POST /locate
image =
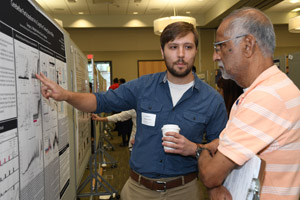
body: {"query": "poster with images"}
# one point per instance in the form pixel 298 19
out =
pixel 29 154
pixel 9 151
pixel 83 120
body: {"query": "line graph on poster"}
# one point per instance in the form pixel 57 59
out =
pixel 35 155
pixel 9 169
pixel 10 193
pixel 31 160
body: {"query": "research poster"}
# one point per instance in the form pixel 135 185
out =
pixel 30 155
pixel 9 152
pixel 83 122
pixel 63 128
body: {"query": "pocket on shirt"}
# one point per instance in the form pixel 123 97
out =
pixel 194 117
pixel 150 111
pixel 195 125
pixel 150 106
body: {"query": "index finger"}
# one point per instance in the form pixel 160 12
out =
pixel 42 78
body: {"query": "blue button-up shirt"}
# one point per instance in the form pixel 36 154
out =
pixel 200 110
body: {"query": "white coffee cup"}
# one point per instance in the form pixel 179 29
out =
pixel 169 128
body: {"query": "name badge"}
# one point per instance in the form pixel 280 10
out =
pixel 148 119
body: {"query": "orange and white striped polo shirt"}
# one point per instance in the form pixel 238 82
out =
pixel 265 120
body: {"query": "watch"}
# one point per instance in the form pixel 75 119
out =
pixel 199 151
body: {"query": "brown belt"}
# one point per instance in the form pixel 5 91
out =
pixel 161 186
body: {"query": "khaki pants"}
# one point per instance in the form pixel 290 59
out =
pixel 135 191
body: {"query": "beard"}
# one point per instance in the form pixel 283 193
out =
pixel 176 73
pixel 225 75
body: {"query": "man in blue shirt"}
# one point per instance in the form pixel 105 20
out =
pixel 176 96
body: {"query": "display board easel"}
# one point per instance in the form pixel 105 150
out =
pixel 94 179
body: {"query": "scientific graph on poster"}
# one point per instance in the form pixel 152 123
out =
pixel 49 110
pixel 29 137
pixel 9 164
pixel 29 112
pixel 50 128
pixel 62 80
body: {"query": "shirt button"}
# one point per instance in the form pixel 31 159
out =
pixel 160 161
pixel 150 108
pixel 194 118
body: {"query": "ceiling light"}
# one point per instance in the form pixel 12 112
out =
pixel 294 25
pixel 160 23
pixel 296 10
pixel 294 1
pixel 80 13
pixel 188 12
pixel 135 13
pixel 103 1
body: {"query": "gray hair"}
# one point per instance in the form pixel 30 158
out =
pixel 252 21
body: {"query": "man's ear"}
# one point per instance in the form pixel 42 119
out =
pixel 249 45
pixel 162 53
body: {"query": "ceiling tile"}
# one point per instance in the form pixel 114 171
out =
pixel 146 8
pixel 43 4
pixel 284 6
pixel 78 6
pixel 139 6
pixel 156 7
pixel 118 8
pixel 58 7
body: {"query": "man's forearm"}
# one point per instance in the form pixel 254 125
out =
pixel 85 102
pixel 203 166
pixel 213 170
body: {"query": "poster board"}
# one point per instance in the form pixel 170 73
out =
pixel 37 142
pixel 293 61
pixel 82 120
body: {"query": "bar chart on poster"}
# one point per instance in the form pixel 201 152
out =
pixel 34 143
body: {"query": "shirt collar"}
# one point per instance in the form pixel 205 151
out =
pixel 263 76
pixel 163 79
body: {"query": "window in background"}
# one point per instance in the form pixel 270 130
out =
pixel 104 68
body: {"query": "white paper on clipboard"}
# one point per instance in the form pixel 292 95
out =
pixel 243 181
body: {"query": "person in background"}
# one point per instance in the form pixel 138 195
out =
pixel 122 116
pixel 115 84
pixel 265 119
pixel 124 127
pixel 230 91
pixel 176 96
pixel 194 69
pixel 122 81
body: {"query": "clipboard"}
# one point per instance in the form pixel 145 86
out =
pixel 244 181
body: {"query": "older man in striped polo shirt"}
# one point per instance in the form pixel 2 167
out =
pixel 265 120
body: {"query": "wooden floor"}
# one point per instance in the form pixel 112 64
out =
pixel 117 174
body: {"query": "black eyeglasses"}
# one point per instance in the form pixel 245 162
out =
pixel 217 45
